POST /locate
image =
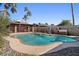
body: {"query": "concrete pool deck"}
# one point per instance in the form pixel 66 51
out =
pixel 66 45
pixel 16 45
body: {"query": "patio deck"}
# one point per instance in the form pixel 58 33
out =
pixel 16 45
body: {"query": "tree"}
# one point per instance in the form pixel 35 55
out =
pixel 65 23
pixel 46 23
pixel 39 23
pixel 72 9
pixel 4 21
pixel 11 6
pixel 27 14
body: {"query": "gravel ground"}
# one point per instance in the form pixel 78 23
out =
pixel 7 51
pixel 71 51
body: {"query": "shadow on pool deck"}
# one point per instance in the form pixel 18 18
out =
pixel 65 49
pixel 71 51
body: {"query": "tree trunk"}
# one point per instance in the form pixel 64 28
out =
pixel 72 9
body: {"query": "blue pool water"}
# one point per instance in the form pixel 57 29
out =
pixel 38 39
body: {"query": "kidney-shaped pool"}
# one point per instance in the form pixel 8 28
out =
pixel 40 39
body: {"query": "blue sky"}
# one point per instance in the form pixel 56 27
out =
pixel 51 13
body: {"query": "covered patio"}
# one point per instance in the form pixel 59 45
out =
pixel 19 27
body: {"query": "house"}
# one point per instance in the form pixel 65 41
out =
pixel 19 27
pixel 23 27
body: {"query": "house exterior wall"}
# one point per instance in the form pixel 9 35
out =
pixel 20 27
pixel 55 30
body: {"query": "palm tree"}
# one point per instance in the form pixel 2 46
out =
pixel 27 14
pixel 11 6
pixel 72 9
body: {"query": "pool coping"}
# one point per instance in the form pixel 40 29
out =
pixel 16 45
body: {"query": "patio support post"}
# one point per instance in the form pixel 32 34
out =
pixel 15 29
pixel 32 29
pixel 28 29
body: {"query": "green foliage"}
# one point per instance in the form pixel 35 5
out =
pixel 3 29
pixel 11 6
pixel 27 14
pixel 26 9
pixel 46 23
pixel 65 23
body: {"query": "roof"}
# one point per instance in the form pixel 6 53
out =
pixel 17 23
pixel 27 24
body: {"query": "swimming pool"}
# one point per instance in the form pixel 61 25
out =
pixel 40 39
